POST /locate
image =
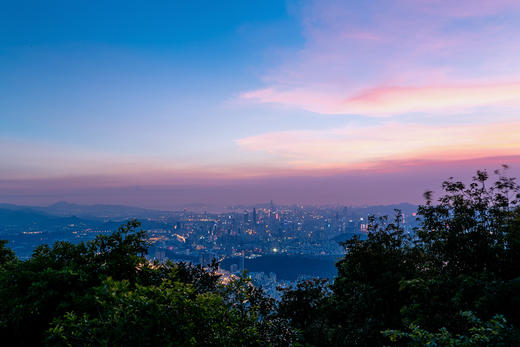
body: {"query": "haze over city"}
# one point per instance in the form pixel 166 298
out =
pixel 314 102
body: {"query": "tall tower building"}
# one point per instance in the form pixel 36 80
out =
pixel 242 261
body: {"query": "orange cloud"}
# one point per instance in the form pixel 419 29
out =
pixel 393 100
pixel 365 147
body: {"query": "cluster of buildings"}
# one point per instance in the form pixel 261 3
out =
pixel 286 230
pixel 237 236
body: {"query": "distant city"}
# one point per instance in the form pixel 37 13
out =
pixel 276 244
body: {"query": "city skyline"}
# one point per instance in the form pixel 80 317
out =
pixel 314 102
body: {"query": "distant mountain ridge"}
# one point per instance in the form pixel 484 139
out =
pixel 97 211
pixel 26 217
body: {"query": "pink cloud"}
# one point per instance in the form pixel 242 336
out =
pixel 389 100
pixel 384 101
pixel 366 147
pixel 393 57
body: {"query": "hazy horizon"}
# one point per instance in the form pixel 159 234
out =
pixel 357 190
pixel 199 207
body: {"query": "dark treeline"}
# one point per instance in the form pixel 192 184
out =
pixel 454 282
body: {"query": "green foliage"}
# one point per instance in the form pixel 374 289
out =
pixel 493 332
pixel 59 279
pixel 307 307
pixel 6 254
pixel 367 292
pixel 471 263
pixel 471 229
pixel 169 314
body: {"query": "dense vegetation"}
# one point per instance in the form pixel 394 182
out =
pixel 454 282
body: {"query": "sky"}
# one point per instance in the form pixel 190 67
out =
pixel 169 103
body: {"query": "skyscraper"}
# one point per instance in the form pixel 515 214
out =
pixel 242 261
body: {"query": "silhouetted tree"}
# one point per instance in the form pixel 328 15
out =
pixel 6 254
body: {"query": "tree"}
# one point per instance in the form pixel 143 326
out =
pixel 306 307
pixel 366 292
pixel 59 279
pixel 470 241
pixel 6 254
pixel 493 332
pixel 169 314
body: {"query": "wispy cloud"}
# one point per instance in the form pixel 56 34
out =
pixel 385 101
pixel 368 147
pixel 382 58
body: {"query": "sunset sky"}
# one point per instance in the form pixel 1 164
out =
pixel 163 104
